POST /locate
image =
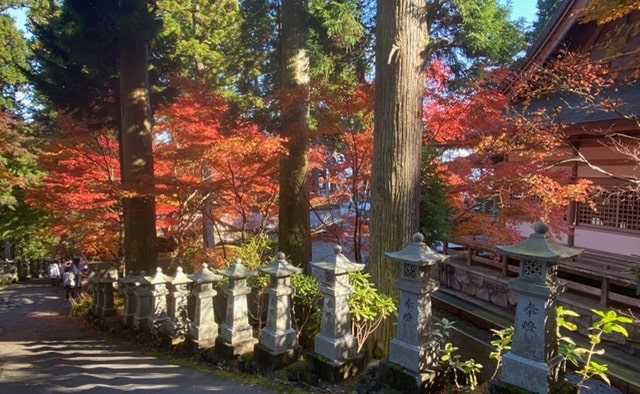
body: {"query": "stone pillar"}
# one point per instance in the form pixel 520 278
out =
pixel 533 363
pixel 335 347
pixel 107 307
pixel 158 301
pixel 203 328
pixel 128 290
pixel 236 334
pixel 278 344
pixel 414 348
pixel 142 290
pixel 94 291
pixel 177 309
pixel 99 294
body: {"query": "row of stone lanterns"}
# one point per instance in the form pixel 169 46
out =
pixel 532 364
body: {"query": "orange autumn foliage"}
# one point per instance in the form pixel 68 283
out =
pixel 81 189
pixel 502 173
pixel 203 154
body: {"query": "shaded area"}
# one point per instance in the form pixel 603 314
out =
pixel 43 350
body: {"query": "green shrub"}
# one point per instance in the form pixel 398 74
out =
pixel 368 307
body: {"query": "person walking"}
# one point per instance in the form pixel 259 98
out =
pixel 69 281
pixel 54 273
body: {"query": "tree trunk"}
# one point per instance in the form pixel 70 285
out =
pixel 395 196
pixel 140 250
pixel 294 234
pixel 208 235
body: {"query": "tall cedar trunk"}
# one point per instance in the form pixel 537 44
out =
pixel 294 234
pixel 140 249
pixel 401 35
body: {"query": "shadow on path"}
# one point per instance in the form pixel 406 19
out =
pixel 43 350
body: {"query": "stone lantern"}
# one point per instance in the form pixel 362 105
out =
pixel 158 300
pixel 143 301
pixel 106 307
pixel 177 308
pixel 533 362
pixel 278 343
pixel 203 328
pixel 414 348
pixel 335 341
pixel 128 289
pixel 236 334
pixel 94 289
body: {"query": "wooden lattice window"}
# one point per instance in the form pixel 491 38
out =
pixel 620 210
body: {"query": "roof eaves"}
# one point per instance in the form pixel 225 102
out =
pixel 551 36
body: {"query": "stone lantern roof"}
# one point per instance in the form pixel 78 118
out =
pixel 204 275
pixel 129 279
pixel 280 267
pixel 181 278
pixel 143 279
pixel 540 246
pixel 417 253
pixel 159 277
pixel 338 263
pixel 237 270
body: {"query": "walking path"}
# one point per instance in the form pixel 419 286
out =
pixel 43 350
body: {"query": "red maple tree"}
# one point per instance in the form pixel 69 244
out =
pixel 501 172
pixel 204 153
pixel 345 122
pixel 81 189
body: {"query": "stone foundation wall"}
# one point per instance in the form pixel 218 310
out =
pixel 489 286
pixel 477 282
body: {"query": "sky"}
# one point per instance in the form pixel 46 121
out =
pixel 524 8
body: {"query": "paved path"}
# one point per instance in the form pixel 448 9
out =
pixel 43 350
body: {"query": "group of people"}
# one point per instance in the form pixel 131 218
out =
pixel 70 273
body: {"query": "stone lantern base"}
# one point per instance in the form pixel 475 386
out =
pixel 498 387
pixel 405 381
pixel 334 372
pixel 532 376
pixel 202 344
pixel 268 360
pixel 227 351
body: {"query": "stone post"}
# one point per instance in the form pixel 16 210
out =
pixel 278 346
pixel 98 294
pixel 94 291
pixel 203 328
pixel 107 307
pixel 128 290
pixel 335 342
pixel 236 334
pixel 158 301
pixel 143 302
pixel 177 309
pixel 414 348
pixel 533 363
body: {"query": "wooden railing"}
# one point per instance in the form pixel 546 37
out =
pixel 604 276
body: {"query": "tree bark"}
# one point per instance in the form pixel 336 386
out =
pixel 401 34
pixel 140 249
pixel 294 234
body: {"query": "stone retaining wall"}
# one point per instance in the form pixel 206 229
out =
pixel 486 285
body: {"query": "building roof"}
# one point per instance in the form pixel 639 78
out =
pixel 575 110
pixel 563 19
pixel 564 28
